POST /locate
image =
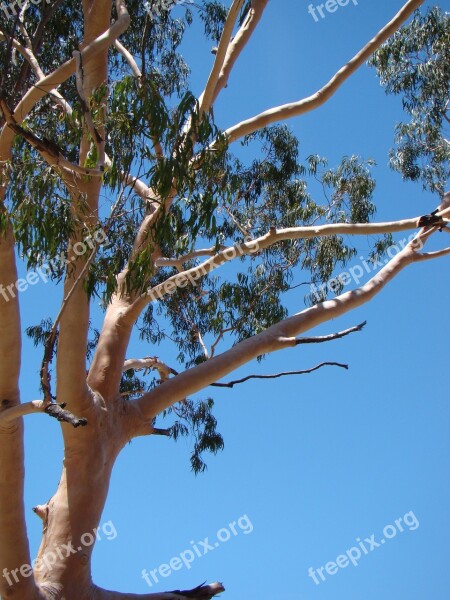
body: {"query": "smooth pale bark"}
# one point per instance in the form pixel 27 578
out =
pixel 277 337
pixel 90 452
pixel 295 109
pixel 14 549
pixel 73 332
pixel 232 51
pixel 256 245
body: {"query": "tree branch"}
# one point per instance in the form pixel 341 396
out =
pixel 178 262
pixel 148 363
pixel 129 58
pixel 332 336
pixel 59 75
pixel 202 592
pixel 49 151
pixel 276 337
pixel 231 384
pixel 233 51
pixel 294 109
pixel 9 415
pixel 431 255
pixel 261 243
pixel 206 98
pixel 28 54
pixel 303 340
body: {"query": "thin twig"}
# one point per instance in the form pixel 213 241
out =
pixel 332 336
pixel 230 384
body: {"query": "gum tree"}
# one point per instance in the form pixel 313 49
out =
pixel 101 137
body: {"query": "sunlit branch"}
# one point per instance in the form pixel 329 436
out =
pixel 258 244
pixel 129 58
pixel 202 592
pixel 294 109
pixel 178 262
pixel 206 98
pixel 279 336
pixel 238 44
pixel 58 411
pixel 148 363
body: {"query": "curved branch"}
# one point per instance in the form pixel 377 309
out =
pixel 319 339
pixel 129 58
pixel 45 86
pixel 30 57
pixel 276 337
pixel 431 255
pixel 206 98
pixel 261 243
pixel 231 384
pixel 233 51
pixel 148 363
pixel 294 109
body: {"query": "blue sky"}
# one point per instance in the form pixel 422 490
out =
pixel 317 461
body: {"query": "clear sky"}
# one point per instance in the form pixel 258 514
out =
pixel 313 465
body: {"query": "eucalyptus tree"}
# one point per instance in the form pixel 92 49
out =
pixel 116 179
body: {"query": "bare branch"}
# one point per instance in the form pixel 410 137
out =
pixel 206 98
pixel 202 592
pixel 294 109
pixel 431 255
pixel 261 243
pixel 233 51
pixel 231 384
pixel 129 58
pixel 333 336
pixel 148 363
pixel 9 415
pixel 277 337
pixel 178 262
